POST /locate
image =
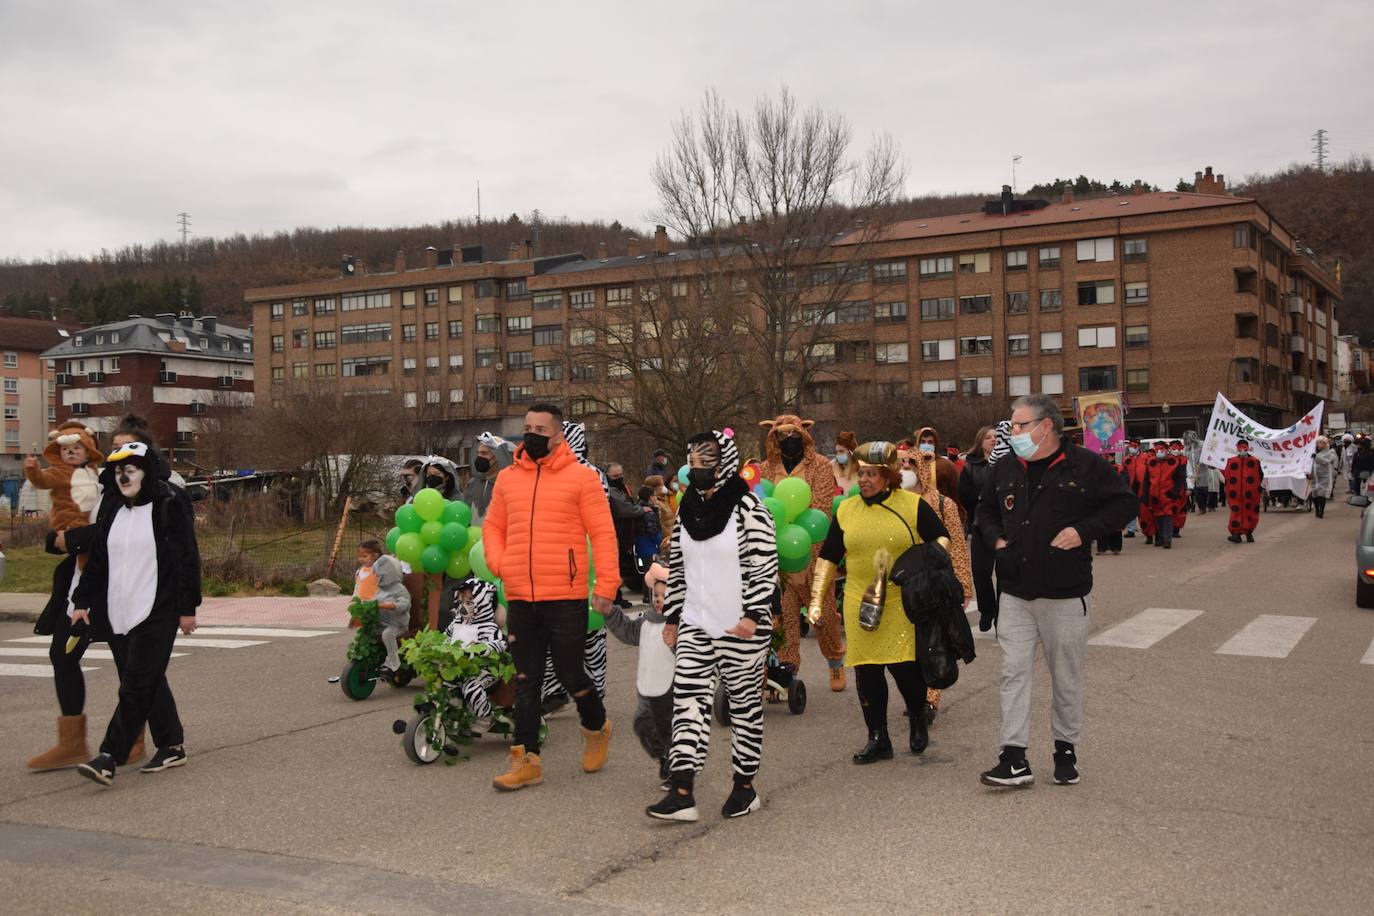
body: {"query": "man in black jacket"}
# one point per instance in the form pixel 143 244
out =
pixel 1040 514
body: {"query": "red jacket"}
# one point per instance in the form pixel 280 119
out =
pixel 538 524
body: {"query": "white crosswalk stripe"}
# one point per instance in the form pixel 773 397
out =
pixel 261 631
pixel 44 670
pixel 92 653
pixel 198 643
pixel 205 638
pixel 1268 636
pixel 1368 656
pixel 1146 628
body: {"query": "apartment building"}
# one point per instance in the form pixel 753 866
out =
pixel 177 370
pixel 29 395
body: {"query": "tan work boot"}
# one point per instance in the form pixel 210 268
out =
pixel 524 770
pixel 70 748
pixel 595 746
pixel 837 679
pixel 138 751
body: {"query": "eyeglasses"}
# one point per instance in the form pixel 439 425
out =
pixel 1025 424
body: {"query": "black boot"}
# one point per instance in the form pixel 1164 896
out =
pixel 920 732
pixel 1250 538
pixel 1234 539
pixel 879 747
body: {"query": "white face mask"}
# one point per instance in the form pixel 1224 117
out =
pixel 908 479
pixel 130 479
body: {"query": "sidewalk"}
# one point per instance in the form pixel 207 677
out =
pixel 279 612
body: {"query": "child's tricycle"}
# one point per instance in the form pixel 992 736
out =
pixel 366 655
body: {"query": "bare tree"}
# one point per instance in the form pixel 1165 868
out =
pixel 224 434
pixel 895 417
pixel 783 215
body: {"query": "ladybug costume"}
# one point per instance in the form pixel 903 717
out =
pixel 1244 476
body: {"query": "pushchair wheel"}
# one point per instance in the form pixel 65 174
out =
pixel 415 742
pixel 796 697
pixel 357 681
pixel 721 706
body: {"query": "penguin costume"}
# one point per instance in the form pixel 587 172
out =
pixel 141 583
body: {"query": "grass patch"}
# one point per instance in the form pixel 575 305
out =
pixel 28 569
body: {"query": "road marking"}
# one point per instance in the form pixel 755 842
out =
pixel 26 652
pixel 192 642
pixel 30 670
pixel 1368 656
pixel 1146 628
pixel 1268 636
pixel 261 631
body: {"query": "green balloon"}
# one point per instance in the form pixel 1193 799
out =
pixel 429 504
pixel 430 532
pixel 816 524
pixel 458 566
pixel 457 512
pixel 768 487
pixel 409 547
pixel 794 565
pixel 794 543
pixel 777 510
pixel 835 504
pixel 474 535
pixel 501 595
pixel 392 537
pixel 453 537
pixel 434 559
pixel 795 494
pixel 853 491
pixel 595 621
pixel 406 518
pixel 478 558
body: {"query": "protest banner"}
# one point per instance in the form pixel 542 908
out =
pixel 1104 429
pixel 1282 452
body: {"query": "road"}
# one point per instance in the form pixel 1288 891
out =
pixel 1225 769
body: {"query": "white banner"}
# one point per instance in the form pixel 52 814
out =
pixel 1282 452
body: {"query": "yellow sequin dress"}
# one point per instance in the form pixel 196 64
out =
pixel 866 529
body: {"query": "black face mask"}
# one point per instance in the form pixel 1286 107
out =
pixel 661 462
pixel 481 464
pixel 702 479
pixel 792 447
pixel 536 446
pixel 435 483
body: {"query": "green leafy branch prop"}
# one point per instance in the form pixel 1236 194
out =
pixel 441 664
pixel 366 647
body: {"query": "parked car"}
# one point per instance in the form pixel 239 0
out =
pixel 1364 554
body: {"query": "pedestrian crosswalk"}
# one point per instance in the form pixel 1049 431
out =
pixel 16 653
pixel 1268 636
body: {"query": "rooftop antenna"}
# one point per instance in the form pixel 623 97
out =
pixel 1014 160
pixel 1319 149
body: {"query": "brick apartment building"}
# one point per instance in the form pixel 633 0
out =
pixel 176 370
pixel 29 396
pixel 1167 297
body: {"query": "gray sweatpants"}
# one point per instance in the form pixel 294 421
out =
pixel 1061 625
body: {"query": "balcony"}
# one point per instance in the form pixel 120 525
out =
pixel 81 410
pixel 1294 303
pixel 166 378
pixel 64 378
pixel 1297 344
pixel 95 378
pixel 1299 383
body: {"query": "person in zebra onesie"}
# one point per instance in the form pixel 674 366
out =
pixel 722 577
pixel 474 623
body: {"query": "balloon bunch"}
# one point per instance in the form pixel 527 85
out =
pixel 436 535
pixel 798 526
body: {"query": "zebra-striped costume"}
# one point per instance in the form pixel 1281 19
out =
pixel 480 613
pixel 739 662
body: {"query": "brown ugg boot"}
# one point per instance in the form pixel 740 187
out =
pixel 70 748
pixel 138 751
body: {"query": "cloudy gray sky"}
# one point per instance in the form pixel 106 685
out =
pixel 263 116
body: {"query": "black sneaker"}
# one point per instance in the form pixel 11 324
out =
pixel 742 801
pixel 1250 539
pixel 674 807
pixel 165 759
pixel 1065 764
pixel 100 768
pixel 1012 770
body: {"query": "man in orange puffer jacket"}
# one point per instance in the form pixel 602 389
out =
pixel 544 509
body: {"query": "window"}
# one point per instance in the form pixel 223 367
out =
pixel 819 393
pixel 485 289
pixel 934 388
pixel 488 324
pixel 582 299
pixel 1097 378
pixel 937 350
pixel 583 372
pixel 1271 293
pixel 278 309
pixel 100 339
pixel 431 365
pixel 937 267
pixel 278 374
pixel 11 438
pixel 1243 236
pixel 519 324
pixel 1018 385
pixel 278 343
pixel 975 305
pixel 489 393
pixel 1271 335
pixel 548 372
pixel 1137 379
pixel 619 295
pixel 677 289
pixel 432 296
pixel 979 262
pixel 11 360
pixel 455 294
pixel 76 342
pixel 1051 341
pixel 975 346
pixel 520 394
pixel 432 396
pixel 1052 383
pixel 114 364
pixel 1247 326
pixel 1016 260
pixel 548 335
pixel 1137 335
pixel 519 359
pixel 517 289
pixel 1100 292
pixel 114 337
pixel 324 306
pixel 455 395
pixel 1018 303
pixel 1137 293
pixel 299 308
pixel 1247 370
pixel 300 340
pixel 455 328
pixel 364 333
pixel 486 358
pixel 431 330
pixel 1095 250
pixel 851 313
pixel 352 302
pixel 455 363
pixel 972 387
pixel 1134 249
pixel 889 312
pixel 1051 300
pixel 408 365
pixel 410 399
pixel 890 353
pixel 1018 345
pixel 549 299
pixel 11 411
pixel 1104 336
pixel 1049 256
pixel 326 370
pixel 300 370
pixel 408 333
pixel 889 272
pixel 821 352
pixel 324 340
pixel 408 299
pixel 937 309
pixel 366 365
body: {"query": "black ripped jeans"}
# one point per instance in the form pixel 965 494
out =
pixel 555 629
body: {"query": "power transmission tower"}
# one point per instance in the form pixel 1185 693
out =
pixel 1319 149
pixel 184 221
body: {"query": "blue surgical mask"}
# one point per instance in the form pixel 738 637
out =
pixel 927 447
pixel 841 458
pixel 1023 445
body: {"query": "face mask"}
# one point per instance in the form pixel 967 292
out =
pixel 435 483
pixel 1024 445
pixel 130 479
pixel 927 448
pixel 1176 453
pixel 841 458
pixel 481 464
pixel 662 491
pixel 661 462
pixel 702 479
pixel 1159 454
pixel 536 446
pixel 908 479
pixel 617 482
pixel 1133 451
pixel 792 447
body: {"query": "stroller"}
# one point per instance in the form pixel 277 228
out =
pixel 780 683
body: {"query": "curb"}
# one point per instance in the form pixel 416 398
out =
pixel 18 616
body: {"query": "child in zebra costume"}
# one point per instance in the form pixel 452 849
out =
pixel 722 576
pixel 474 623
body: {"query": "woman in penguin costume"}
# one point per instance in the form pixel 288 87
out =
pixel 141 583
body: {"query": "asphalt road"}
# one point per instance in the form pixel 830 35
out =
pixel 1212 782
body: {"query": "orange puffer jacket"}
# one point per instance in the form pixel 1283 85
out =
pixel 537 526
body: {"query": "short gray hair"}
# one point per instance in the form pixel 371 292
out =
pixel 1044 406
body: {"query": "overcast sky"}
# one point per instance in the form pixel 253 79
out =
pixel 256 117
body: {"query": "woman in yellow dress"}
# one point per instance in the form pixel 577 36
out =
pixel 869 532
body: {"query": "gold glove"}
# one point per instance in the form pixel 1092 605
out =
pixel 823 574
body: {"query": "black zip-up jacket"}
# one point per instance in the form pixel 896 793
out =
pixel 1078 490
pixel 972 479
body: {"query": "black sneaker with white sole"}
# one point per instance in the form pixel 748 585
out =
pixel 165 759
pixel 100 768
pixel 1012 770
pixel 1065 764
pixel 743 800
pixel 674 807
